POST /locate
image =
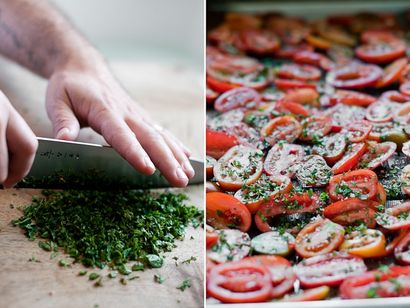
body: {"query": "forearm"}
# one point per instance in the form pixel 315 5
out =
pixel 34 34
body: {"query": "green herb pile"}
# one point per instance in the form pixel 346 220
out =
pixel 109 228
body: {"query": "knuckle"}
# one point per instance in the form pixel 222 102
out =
pixel 29 146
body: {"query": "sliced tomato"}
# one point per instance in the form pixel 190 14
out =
pixel 281 272
pixel 232 245
pixel 350 159
pixel 360 183
pixel 318 42
pixel 386 131
pixel 239 166
pixel 381 195
pixel 304 96
pixel 238 98
pixel 381 52
pixel 239 282
pixel 223 67
pixel 314 294
pixel 342 115
pixel 376 154
pixel 219 85
pixel 335 34
pixel 402 251
pixel 218 143
pixel 392 73
pixel 392 244
pixel 282 159
pixel 328 269
pixel 406 148
pixel 281 128
pixel 264 189
pixel 313 172
pixel 273 243
pixel 246 135
pixel 367 243
pixel 405 88
pixel 392 282
pixel 315 127
pixel 210 163
pixel 405 179
pixel 313 58
pixel 288 51
pixel 298 72
pixel 225 211
pixel 381 111
pixel 260 42
pixel 212 187
pixel 287 107
pixel 378 36
pixel 394 96
pixel 351 211
pixel 331 148
pixel 357 131
pixel 396 217
pixel 349 97
pixel 211 239
pixel 211 95
pixel 287 84
pixel 319 237
pixel 354 76
pixel 225 120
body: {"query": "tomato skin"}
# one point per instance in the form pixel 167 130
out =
pixel 354 76
pixel 223 211
pixel 349 97
pixel 281 128
pixel 350 159
pixel 328 269
pixel 237 98
pixel 373 53
pixel 306 247
pixel 218 143
pixel 401 251
pixel 228 287
pixel 392 73
pixel 309 295
pixel 304 96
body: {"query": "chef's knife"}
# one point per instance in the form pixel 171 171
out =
pixel 67 164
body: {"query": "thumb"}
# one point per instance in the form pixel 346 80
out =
pixel 65 123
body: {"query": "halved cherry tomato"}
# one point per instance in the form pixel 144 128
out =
pixel 402 251
pixel 349 97
pixel 264 189
pixel 354 75
pixel 331 148
pixel 281 272
pixel 386 131
pixel 239 166
pixel 246 135
pixel 376 154
pixel 225 120
pixel 352 210
pixel 298 72
pixel 232 245
pixel 282 159
pixel 328 269
pixel 405 88
pixel 313 172
pixel 281 128
pixel 291 107
pixel 319 237
pixel 342 115
pixel 315 127
pixel 392 73
pixel 260 42
pixel 381 52
pixel 381 111
pixel 304 96
pixel 286 84
pixel 273 243
pixel 225 211
pixel 360 183
pixel 367 243
pixel 238 98
pixel 392 244
pixel 350 159
pixel 405 179
pixel 239 282
pixel 218 143
pixel 291 203
pixel 394 96
pixel 314 294
pixel 396 217
pixel 378 36
pixel 318 42
pixel 287 51
pixel 357 131
pixel 220 86
pixel 335 34
pixel 210 163
pixel 211 239
pixel 313 58
pixel 392 282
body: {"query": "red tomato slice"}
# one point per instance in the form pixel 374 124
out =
pixel 220 86
pixel 349 97
pixel 392 73
pixel 302 96
pixel 281 128
pixel 239 166
pixel 401 251
pixel 396 217
pixel 376 154
pixel 331 148
pixel 390 283
pixel 232 245
pixel 405 88
pixel 287 51
pixel 352 210
pixel 314 294
pixel 319 237
pixel 354 76
pixel 239 282
pixel 357 131
pixel 210 163
pixel 350 159
pixel 287 107
pixel 315 127
pixel 360 183
pixel 282 159
pixel 299 72
pixel 286 84
pixel 211 239
pixel 218 143
pixel 329 269
pixel 342 115
pixel 394 97
pixel 313 58
pixel 260 42
pixel 381 52
pixel 381 195
pixel 381 111
pixel 238 98
pixel 225 211
pixel 281 272
pixel 313 172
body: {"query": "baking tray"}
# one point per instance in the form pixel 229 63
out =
pixel 309 10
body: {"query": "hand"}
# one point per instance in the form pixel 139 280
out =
pixel 88 95
pixel 18 145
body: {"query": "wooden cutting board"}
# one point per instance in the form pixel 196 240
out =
pixel 173 95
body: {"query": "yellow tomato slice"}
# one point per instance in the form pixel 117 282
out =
pixel 366 244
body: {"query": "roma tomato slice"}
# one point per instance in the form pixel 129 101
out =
pixel 260 42
pixel 342 115
pixel 381 111
pixel 402 251
pixel 381 52
pixel 232 245
pixel 357 131
pixel 313 171
pixel 315 127
pixel 225 120
pixel 349 97
pixel 225 211
pixel 281 128
pixel 328 269
pixel 354 76
pixel 331 148
pixel 313 58
pixel 376 154
pixel 313 294
pixel 299 72
pixel 367 243
pixel 392 73
pixel 396 217
pixel 218 143
pixel 238 98
pixel 291 107
pixel 302 96
pixel 282 159
pixel 361 183
pixel 220 86
pixel 239 282
pixel 318 238
pixel 239 166
pixel 351 158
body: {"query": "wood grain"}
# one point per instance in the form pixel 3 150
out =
pixel 173 95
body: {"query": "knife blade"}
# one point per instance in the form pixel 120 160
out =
pixel 68 164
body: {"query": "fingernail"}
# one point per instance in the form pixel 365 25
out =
pixel 181 175
pixel 188 168
pixel 149 164
pixel 62 132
